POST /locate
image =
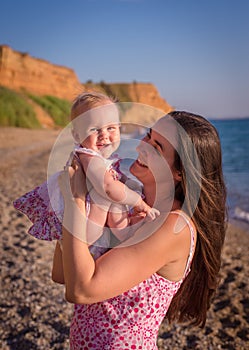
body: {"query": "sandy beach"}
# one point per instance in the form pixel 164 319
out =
pixel 33 311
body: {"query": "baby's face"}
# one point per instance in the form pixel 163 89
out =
pixel 105 140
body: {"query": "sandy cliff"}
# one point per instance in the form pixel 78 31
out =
pixel 20 71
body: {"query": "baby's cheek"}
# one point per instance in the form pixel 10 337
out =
pixel 116 137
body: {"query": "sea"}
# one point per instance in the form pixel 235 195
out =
pixel 234 136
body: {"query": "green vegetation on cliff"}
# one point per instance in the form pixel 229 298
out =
pixel 57 108
pixel 31 110
pixel 15 110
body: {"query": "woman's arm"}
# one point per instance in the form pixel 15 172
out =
pixel 153 246
pixel 72 196
pixel 57 269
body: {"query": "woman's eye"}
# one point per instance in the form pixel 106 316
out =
pixel 157 150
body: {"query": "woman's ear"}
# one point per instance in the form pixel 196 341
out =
pixel 178 175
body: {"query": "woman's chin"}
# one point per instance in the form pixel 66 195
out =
pixel 137 170
pixel 131 169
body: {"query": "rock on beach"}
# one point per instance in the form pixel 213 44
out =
pixel 33 312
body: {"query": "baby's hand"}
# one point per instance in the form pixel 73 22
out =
pixel 144 209
pixel 152 214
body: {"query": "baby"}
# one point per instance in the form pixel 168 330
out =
pixel 96 131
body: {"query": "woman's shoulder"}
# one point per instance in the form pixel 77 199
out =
pixel 178 228
pixel 181 237
pixel 184 229
pixel 181 220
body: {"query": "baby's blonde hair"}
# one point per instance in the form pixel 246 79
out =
pixel 88 100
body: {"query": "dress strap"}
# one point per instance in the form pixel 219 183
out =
pixel 84 150
pixel 192 242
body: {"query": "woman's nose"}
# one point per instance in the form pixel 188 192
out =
pixel 138 148
pixel 143 146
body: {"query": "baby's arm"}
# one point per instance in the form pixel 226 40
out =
pixel 104 183
pixel 114 190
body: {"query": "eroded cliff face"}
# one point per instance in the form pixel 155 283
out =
pixel 19 71
pixel 145 93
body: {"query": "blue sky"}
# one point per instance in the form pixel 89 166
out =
pixel 196 52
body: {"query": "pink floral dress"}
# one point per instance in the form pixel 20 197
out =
pixel 44 206
pixel 130 320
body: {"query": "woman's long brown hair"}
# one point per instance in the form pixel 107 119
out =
pixel 208 214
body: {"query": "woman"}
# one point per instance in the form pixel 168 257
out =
pixel 170 266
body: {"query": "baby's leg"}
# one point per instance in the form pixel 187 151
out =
pixel 118 221
pixel 95 222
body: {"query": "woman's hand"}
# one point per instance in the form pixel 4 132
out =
pixel 72 183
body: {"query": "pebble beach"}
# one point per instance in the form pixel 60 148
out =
pixel 33 312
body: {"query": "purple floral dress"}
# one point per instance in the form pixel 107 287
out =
pixel 44 207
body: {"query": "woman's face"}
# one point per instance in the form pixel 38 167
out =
pixel 156 155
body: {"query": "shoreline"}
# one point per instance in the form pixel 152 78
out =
pixel 34 313
pixel 240 224
pixel 20 143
